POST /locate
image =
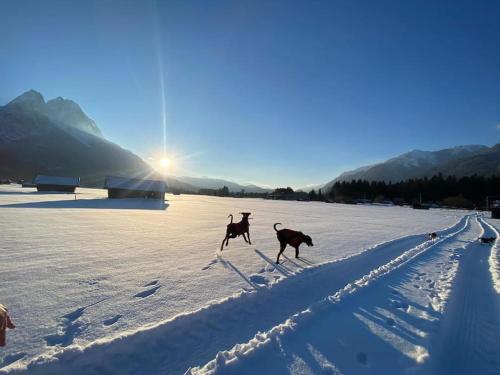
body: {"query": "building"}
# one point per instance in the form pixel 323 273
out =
pixel 121 187
pixel 56 183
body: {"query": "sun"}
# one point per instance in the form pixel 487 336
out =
pixel 165 163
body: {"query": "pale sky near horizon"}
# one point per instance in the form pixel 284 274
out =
pixel 275 93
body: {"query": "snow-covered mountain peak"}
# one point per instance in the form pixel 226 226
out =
pixel 68 113
pixel 414 158
pixel 467 148
pixel 64 113
pixel 30 100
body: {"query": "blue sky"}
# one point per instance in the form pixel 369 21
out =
pixel 269 92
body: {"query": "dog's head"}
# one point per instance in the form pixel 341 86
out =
pixel 308 240
pixel 245 214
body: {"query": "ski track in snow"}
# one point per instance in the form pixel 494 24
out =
pixel 469 339
pixel 331 335
pixel 162 347
pixel 494 258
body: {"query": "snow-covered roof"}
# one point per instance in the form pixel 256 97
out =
pixel 56 180
pixel 134 184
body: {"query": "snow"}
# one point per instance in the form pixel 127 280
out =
pixel 470 331
pixel 494 258
pixel 415 158
pixel 56 180
pixel 394 326
pixel 134 184
pixel 119 286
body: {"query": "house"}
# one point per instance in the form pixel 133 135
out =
pixel 56 183
pixel 121 187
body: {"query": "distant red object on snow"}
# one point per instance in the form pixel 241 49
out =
pixel 5 323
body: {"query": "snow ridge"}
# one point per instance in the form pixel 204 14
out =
pixel 494 259
pixel 228 357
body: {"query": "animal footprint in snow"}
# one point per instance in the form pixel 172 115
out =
pixel 147 293
pixel 259 280
pixel 69 328
pixel 362 358
pixel 209 265
pixel 399 304
pixel 113 320
pixel 151 283
pixel 270 268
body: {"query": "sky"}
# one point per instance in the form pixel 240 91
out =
pixel 276 93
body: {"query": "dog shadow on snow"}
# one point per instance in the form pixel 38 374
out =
pixel 259 280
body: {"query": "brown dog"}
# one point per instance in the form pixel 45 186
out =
pixel 292 238
pixel 237 229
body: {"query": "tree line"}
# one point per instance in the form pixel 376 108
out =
pixel 464 192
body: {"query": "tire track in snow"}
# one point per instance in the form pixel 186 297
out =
pixel 494 259
pixel 194 338
pixel 291 325
pixel 470 334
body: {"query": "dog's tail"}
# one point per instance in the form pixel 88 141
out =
pixel 231 216
pixel 274 226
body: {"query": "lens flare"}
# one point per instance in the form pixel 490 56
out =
pixel 165 163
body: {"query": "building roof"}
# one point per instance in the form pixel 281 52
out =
pixel 134 184
pixel 56 180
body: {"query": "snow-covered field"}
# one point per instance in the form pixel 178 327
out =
pixel 131 286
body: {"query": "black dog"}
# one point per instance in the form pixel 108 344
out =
pixel 292 238
pixel 432 236
pixel 237 229
pixel 487 239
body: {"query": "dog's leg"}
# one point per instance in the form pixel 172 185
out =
pixel 297 252
pixel 248 234
pixel 282 248
pixel 222 245
pixel 244 237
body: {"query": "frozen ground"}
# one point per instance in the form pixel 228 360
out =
pixel 133 287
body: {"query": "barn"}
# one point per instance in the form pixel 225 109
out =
pixel 56 183
pixel 121 187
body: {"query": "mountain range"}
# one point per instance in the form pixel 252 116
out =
pixel 216 183
pixel 459 161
